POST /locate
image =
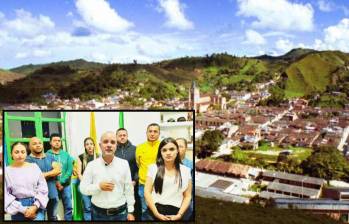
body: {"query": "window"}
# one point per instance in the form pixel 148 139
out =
pixel 22 125
pixel 21 129
pixel 49 128
pixel 21 114
pixel 51 114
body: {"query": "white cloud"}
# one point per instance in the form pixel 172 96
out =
pixel 335 37
pixel 325 6
pixel 278 33
pixel 27 25
pixel 253 37
pixel 101 47
pixel 100 15
pixel 38 53
pixel 329 6
pixel 21 55
pixel 284 45
pixel 278 14
pixel 99 57
pixel 41 53
pixel 175 15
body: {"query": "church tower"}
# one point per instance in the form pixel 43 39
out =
pixel 194 95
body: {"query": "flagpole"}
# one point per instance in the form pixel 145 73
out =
pixel 93 134
pixel 121 120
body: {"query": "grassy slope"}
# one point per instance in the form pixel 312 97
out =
pixel 7 76
pixel 313 72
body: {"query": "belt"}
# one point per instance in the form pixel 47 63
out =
pixel 110 211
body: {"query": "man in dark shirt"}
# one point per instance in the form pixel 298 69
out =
pixel 125 150
pixel 50 169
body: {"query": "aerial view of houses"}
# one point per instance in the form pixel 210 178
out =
pixel 288 156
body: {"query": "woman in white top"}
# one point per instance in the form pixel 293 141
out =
pixel 168 185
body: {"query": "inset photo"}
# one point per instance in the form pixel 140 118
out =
pixel 98 165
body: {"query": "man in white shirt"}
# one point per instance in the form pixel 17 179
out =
pixel 108 180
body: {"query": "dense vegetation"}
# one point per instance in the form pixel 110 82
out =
pixel 323 162
pixel 327 163
pixel 209 143
pixel 215 211
pixel 300 73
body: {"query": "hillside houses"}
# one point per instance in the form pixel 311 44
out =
pixel 302 127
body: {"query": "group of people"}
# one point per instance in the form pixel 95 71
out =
pixel 152 181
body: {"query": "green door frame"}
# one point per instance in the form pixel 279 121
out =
pixel 38 119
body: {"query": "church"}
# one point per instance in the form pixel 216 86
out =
pixel 204 102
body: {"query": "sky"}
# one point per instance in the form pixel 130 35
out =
pixel 120 31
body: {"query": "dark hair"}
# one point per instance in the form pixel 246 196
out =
pixel 54 135
pixel 85 155
pixel 153 124
pixel 121 129
pixel 184 140
pixel 159 179
pixel 89 138
pixel 19 143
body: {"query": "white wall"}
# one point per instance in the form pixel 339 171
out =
pixel 78 126
pixel 136 123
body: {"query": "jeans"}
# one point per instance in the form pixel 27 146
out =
pixel 137 207
pixel 143 203
pixel 40 214
pixel 66 197
pixel 98 216
pixel 87 207
pixel 188 215
pixel 52 209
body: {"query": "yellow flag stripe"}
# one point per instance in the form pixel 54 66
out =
pixel 93 134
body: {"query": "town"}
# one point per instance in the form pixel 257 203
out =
pixel 262 148
pixel 261 151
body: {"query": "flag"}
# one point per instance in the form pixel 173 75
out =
pixel 78 211
pixel 93 134
pixel 5 155
pixel 121 119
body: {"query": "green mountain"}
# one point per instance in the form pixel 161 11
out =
pixel 74 64
pixel 287 58
pixel 8 76
pixel 316 72
pixel 299 73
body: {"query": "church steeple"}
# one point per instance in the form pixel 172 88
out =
pixel 194 95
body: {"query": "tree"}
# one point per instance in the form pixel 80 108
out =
pixel 239 156
pixel 277 96
pixel 209 143
pixel 328 163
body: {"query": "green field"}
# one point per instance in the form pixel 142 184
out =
pixel 270 154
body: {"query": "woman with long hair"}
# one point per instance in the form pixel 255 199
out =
pixel 168 185
pixel 26 191
pixel 83 160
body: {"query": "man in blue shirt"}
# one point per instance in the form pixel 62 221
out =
pixel 50 169
pixel 63 180
pixel 183 145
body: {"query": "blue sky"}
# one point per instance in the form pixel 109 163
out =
pixel 119 31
